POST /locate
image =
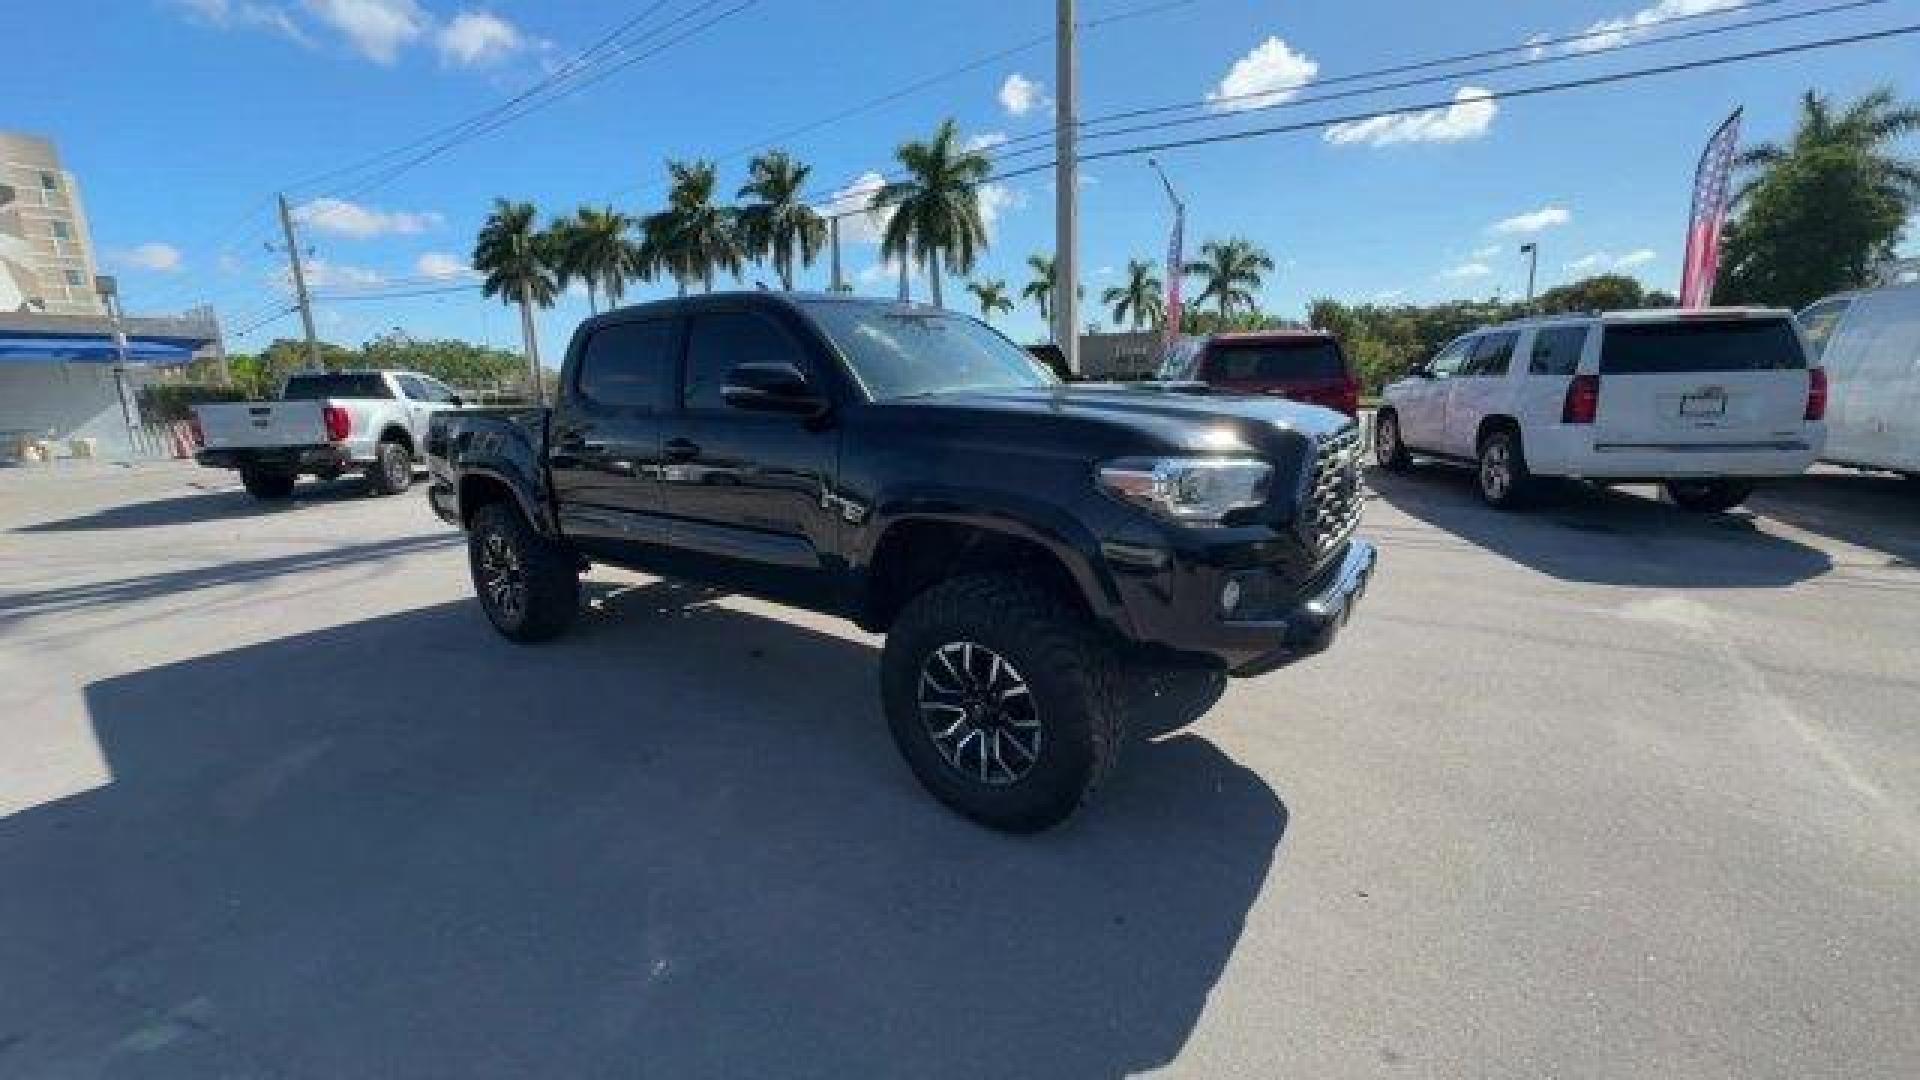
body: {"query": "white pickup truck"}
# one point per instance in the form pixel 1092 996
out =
pixel 325 423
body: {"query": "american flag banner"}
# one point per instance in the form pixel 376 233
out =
pixel 1176 258
pixel 1710 183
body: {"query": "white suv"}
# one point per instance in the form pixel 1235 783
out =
pixel 1703 401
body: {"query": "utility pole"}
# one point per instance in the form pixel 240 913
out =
pixel 300 285
pixel 833 237
pixel 1532 252
pixel 1066 176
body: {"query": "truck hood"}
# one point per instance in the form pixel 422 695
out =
pixel 1144 418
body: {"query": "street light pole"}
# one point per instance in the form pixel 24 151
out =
pixel 1532 252
pixel 1171 327
pixel 1066 255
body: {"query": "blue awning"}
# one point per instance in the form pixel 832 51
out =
pixel 92 348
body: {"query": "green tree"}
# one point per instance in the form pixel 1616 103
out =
pixel 516 262
pixel 595 247
pixel 1137 302
pixel 1815 225
pixel 458 363
pixel 1817 213
pixel 936 219
pixel 1604 292
pixel 776 225
pixel 693 236
pixel 992 295
pixel 1233 271
pixel 1040 288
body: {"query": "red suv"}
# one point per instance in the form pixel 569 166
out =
pixel 1303 365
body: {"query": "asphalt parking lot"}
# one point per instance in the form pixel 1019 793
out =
pixel 1604 790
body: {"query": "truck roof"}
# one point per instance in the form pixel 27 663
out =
pixel 765 298
pixel 1652 315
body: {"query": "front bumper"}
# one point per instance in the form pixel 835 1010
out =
pixel 1277 621
pixel 326 457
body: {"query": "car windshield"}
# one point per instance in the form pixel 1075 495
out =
pixel 1703 345
pixel 336 384
pixel 901 352
pixel 1265 360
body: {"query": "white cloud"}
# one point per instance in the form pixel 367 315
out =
pixel 478 38
pixel 1020 95
pixel 1385 296
pixel 443 267
pixel 986 140
pixel 343 218
pixel 997 199
pixel 1532 222
pixel 1537 45
pixel 1482 254
pixel 227 14
pixel 1105 271
pixel 1468 270
pixel 229 263
pixel 1469 117
pixel 1586 264
pixel 887 274
pixel 379 29
pixel 162 258
pixel 1598 261
pixel 1270 74
pixel 1638 257
pixel 861 226
pixel 1612 33
pixel 322 274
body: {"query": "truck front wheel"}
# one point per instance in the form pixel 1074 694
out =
pixel 527 584
pixel 1004 702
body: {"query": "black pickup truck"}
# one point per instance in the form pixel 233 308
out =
pixel 1037 553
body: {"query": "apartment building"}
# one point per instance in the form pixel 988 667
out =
pixel 46 251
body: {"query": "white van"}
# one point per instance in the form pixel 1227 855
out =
pixel 1869 342
pixel 1704 402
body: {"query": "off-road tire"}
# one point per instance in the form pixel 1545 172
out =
pixel 548 577
pixel 1501 454
pixel 392 470
pixel 1707 496
pixel 267 484
pixel 1071 674
pixel 1389 448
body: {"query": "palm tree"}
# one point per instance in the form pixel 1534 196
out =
pixel 1232 272
pixel 936 211
pixel 992 294
pixel 516 262
pixel 1869 126
pixel 593 246
pixel 1138 301
pixel 1040 289
pixel 692 237
pixel 777 223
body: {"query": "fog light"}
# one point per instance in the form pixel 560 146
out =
pixel 1230 596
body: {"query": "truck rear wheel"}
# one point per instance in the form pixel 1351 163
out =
pixel 1708 496
pixel 527 584
pixel 1005 703
pixel 392 470
pixel 267 483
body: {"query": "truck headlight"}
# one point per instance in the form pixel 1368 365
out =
pixel 1188 491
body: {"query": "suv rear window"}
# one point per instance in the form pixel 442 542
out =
pixel 1275 360
pixel 1705 345
pixel 336 384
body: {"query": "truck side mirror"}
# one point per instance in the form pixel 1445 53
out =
pixel 771 387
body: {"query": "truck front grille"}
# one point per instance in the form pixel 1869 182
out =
pixel 1331 507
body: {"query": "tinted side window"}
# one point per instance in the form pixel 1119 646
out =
pixel 718 343
pixel 1491 355
pixel 413 388
pixel 628 365
pixel 1447 364
pixel 336 384
pixel 1556 350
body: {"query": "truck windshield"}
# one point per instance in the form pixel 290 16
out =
pixel 335 384
pixel 905 352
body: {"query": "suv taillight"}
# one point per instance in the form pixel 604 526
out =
pixel 199 433
pixel 1816 393
pixel 1583 400
pixel 1350 396
pixel 339 422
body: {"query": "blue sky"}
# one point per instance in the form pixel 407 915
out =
pixel 181 118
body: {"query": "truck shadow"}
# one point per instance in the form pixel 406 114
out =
pixel 226 504
pixel 1605 536
pixel 675 843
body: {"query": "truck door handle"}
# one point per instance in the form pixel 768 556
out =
pixel 682 450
